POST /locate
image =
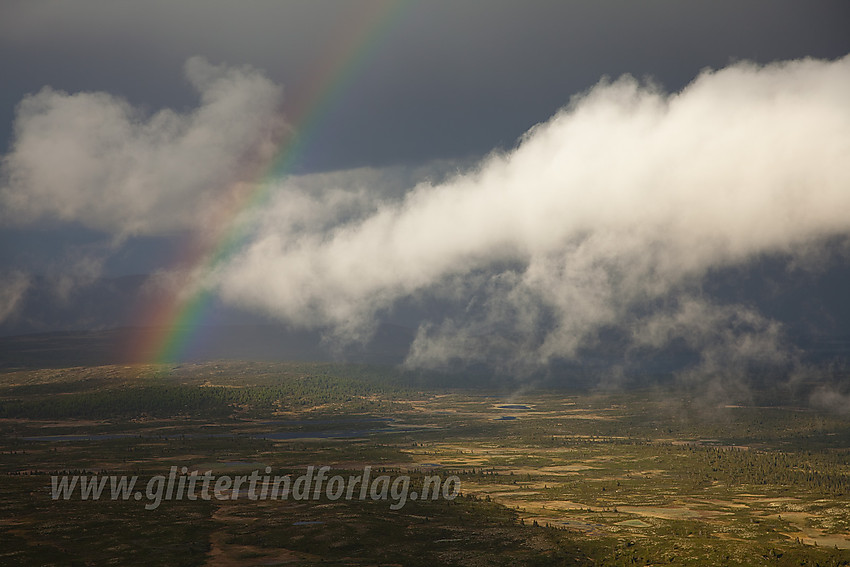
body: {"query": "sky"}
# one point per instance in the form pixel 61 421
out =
pixel 511 180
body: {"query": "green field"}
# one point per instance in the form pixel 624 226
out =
pixel 547 477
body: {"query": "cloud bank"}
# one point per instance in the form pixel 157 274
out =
pixel 610 215
pixel 624 199
pixel 92 158
pixel 13 288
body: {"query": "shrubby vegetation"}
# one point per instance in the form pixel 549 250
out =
pixel 563 483
pixel 162 394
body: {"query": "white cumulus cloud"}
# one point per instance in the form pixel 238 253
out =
pixel 625 196
pixel 92 158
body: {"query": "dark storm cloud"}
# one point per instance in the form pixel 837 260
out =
pixel 449 78
pixel 624 199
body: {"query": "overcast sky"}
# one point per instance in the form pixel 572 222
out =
pixel 448 79
pixel 542 170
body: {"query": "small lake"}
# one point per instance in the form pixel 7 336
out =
pixel 362 429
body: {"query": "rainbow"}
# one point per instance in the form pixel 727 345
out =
pixel 175 323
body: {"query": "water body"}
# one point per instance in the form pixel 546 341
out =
pixel 336 421
pixel 341 433
pixel 337 434
pixel 92 437
pixel 111 436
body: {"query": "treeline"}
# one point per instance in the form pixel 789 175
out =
pixel 819 473
pixel 165 400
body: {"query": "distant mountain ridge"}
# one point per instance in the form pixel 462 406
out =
pixel 98 324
